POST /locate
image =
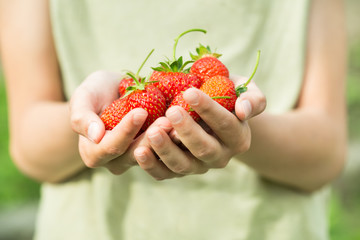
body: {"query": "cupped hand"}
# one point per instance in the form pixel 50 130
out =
pixel 194 149
pixel 97 146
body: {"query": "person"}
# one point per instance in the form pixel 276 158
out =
pixel 253 174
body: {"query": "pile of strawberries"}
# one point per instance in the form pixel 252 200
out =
pixel 164 87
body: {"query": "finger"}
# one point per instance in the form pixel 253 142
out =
pixel 202 145
pixel 128 159
pixel 152 165
pixel 142 140
pixel 250 103
pixel 177 160
pixel 116 141
pixel 223 123
pixel 175 137
pixel 84 119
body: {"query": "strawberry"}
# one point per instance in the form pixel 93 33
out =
pixel 172 83
pixel 113 114
pixel 207 64
pixel 218 87
pixel 124 84
pixel 223 90
pixel 128 81
pixel 141 95
pixel 180 101
pixel 172 77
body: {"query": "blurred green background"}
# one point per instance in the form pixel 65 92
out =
pixel 19 195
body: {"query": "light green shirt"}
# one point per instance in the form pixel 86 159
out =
pixel 230 203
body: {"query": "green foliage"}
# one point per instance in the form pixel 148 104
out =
pixel 344 208
pixel 344 220
pixel 15 188
pixel 353 91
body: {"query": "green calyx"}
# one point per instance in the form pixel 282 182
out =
pixel 243 87
pixel 203 51
pixel 177 64
pixel 173 66
pixel 140 82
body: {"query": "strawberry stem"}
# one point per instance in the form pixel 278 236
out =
pixel 140 85
pixel 143 63
pixel 182 34
pixel 221 97
pixel 243 87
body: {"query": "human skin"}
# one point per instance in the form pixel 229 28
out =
pixel 309 161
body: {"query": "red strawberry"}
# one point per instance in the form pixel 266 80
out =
pixel 145 96
pixel 124 84
pixel 223 90
pixel 128 81
pixel 180 101
pixel 207 64
pixel 152 100
pixel 219 87
pixel 172 83
pixel 172 77
pixel 113 114
pixel 141 95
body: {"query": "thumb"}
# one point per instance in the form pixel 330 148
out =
pixel 84 120
pixel 250 103
pixel 88 124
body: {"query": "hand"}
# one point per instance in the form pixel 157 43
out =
pixel 193 149
pixel 98 147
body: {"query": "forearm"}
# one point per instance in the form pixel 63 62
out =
pixel 302 149
pixel 43 145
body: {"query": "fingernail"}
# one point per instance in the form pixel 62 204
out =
pixel 155 137
pixel 174 115
pixel 191 97
pixel 140 155
pixel 139 118
pixel 93 131
pixel 246 106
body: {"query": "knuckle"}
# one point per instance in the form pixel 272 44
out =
pixel 117 167
pixel 178 166
pixel 205 153
pixel 245 146
pixel 185 132
pixel 159 178
pixel 164 153
pixel 202 170
pixel 222 163
pixel 116 171
pixel 203 108
pixel 147 167
pixel 114 151
pixel 225 124
pixel 76 120
pixel 184 168
pixel 91 162
pixel 129 130
pixel 262 103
